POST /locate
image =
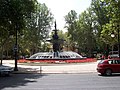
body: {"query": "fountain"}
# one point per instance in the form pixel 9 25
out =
pixel 51 55
pixel 57 53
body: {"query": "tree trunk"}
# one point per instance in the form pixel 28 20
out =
pixel 1 55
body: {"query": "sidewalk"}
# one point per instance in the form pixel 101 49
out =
pixel 54 68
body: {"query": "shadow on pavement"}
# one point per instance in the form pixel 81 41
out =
pixel 19 79
pixel 113 75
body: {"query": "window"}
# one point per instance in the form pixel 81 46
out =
pixel 114 61
pixel 118 61
pixel 102 61
pixel 110 61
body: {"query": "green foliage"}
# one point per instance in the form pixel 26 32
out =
pixel 86 33
pixel 71 24
pixel 112 26
pixel 13 14
pixel 80 30
pixel 32 21
pixel 93 29
pixel 38 28
pixel 108 16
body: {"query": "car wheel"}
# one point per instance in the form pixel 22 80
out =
pixel 108 72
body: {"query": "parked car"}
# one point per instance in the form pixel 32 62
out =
pixel 109 66
pixel 5 70
pixel 113 54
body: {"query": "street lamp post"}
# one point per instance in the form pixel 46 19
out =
pixel 112 35
pixel 16 49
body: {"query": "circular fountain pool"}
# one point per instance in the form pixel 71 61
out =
pixel 61 55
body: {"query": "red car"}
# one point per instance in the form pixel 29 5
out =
pixel 109 66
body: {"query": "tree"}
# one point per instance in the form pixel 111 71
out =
pixel 101 11
pixel 108 14
pixel 13 14
pixel 71 24
pixel 80 30
pixel 38 28
pixel 86 33
pixel 113 7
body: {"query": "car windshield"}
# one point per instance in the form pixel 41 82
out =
pixel 101 61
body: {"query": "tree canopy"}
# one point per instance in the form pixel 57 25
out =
pixel 31 20
pixel 93 28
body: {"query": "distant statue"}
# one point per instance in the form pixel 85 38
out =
pixel 56 44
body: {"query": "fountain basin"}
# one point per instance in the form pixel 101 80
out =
pixel 50 56
pixel 63 57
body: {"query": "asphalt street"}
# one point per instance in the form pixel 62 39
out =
pixel 76 76
pixel 86 81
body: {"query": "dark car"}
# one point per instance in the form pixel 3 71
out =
pixel 5 70
pixel 109 66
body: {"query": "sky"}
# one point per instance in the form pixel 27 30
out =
pixel 60 8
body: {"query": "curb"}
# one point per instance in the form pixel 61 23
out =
pixel 54 72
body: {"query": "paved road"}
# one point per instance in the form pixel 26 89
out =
pixel 56 68
pixel 86 81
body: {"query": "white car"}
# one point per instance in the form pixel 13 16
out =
pixel 5 70
pixel 113 54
